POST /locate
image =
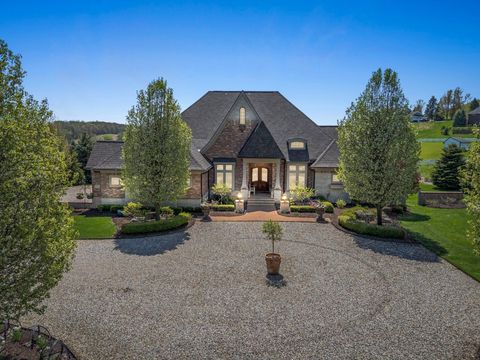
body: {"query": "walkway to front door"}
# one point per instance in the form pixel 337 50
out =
pixel 263 216
pixel 261 201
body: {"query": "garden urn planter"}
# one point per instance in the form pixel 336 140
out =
pixel 320 211
pixel 206 212
pixel 273 263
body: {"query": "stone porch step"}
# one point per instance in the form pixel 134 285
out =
pixel 261 204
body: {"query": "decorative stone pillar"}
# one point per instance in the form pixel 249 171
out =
pixel 244 188
pixel 284 205
pixel 277 192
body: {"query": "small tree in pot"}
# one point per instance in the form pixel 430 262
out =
pixel 273 231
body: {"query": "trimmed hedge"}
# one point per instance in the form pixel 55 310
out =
pixel 109 208
pixel 157 226
pixel 221 207
pixel 349 221
pixel 302 208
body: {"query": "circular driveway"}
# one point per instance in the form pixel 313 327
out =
pixel 204 294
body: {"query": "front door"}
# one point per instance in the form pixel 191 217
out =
pixel 259 176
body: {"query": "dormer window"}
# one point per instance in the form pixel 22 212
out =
pixel 297 145
pixel 242 116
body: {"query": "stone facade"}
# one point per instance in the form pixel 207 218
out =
pixel 103 192
pixel 325 187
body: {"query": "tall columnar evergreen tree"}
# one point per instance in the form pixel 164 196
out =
pixel 36 230
pixel 445 175
pixel 460 118
pixel 82 150
pixel 378 149
pixel 157 147
pixel 471 185
pixel 431 108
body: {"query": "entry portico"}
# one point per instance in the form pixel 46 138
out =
pixel 261 175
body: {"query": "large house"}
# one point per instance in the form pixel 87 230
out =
pixel 474 117
pixel 256 142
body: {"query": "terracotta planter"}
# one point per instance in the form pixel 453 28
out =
pixel 273 263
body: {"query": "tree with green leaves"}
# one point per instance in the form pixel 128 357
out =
pixel 445 105
pixel 156 151
pixel 82 150
pixel 460 118
pixel 378 149
pixel 471 185
pixel 36 231
pixel 419 106
pixel 473 104
pixel 445 175
pixel 431 108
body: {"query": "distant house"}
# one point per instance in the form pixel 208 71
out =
pixel 461 143
pixel 417 116
pixel 474 117
pixel 255 142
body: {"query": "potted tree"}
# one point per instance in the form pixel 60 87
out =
pixel 273 231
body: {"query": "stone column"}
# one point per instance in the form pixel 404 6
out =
pixel 244 189
pixel 277 192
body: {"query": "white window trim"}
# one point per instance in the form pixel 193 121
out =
pixel 233 172
pixel 110 181
pixel 288 173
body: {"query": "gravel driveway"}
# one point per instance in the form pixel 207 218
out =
pixel 204 294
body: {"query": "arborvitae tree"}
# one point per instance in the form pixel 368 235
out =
pixel 157 147
pixel 431 109
pixel 82 149
pixel 445 175
pixel 471 185
pixel 378 149
pixel 36 230
pixel 474 104
pixel 460 118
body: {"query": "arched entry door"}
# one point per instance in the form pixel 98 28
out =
pixel 259 177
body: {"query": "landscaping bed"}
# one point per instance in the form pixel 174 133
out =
pixel 157 226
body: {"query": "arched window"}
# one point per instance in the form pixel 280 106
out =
pixel 242 116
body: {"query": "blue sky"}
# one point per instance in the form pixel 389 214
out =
pixel 88 58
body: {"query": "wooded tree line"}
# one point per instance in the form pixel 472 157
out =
pixel 73 130
pixel 450 103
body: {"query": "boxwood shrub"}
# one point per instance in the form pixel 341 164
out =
pixel 109 207
pixel 462 130
pixel 328 207
pixel 221 207
pixel 302 208
pixel 157 226
pixel 348 220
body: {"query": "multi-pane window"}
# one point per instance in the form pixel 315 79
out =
pixel 335 178
pixel 115 181
pixel 296 175
pixel 298 145
pixel 242 116
pixel 224 174
pixel 255 174
pixel 260 175
pixel 189 182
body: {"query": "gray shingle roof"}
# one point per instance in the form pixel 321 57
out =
pixel 260 144
pixel 475 111
pixel 107 155
pixel 329 157
pixel 281 117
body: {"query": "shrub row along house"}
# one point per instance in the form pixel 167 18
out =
pixel 256 142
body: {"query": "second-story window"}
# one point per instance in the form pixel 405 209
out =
pixel 242 116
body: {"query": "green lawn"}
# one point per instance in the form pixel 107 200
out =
pixel 443 232
pixel 426 171
pixel 428 187
pixel 431 150
pixel 95 227
pixel 430 130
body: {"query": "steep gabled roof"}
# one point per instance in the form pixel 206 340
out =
pixel 329 157
pixel 280 116
pixel 475 111
pixel 260 144
pixel 106 155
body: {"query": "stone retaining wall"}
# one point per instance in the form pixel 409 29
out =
pixel 442 199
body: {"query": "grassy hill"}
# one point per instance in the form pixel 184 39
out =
pixel 433 130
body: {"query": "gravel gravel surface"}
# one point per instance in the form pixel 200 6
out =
pixel 204 293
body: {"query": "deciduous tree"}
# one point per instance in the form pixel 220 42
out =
pixel 36 230
pixel 431 109
pixel 378 149
pixel 157 147
pixel 471 184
